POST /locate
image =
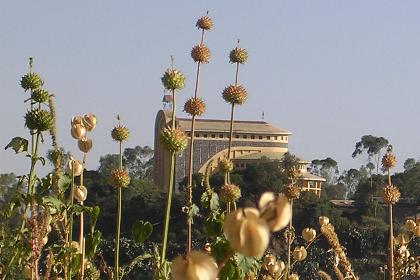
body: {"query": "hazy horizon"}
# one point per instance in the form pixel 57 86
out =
pixel 328 71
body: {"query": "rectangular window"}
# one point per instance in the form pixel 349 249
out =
pixel 268 137
pixel 236 136
pixel 220 135
pixel 244 136
pixel 197 135
pixel 252 137
pixel 205 135
pixel 260 137
pixel 213 136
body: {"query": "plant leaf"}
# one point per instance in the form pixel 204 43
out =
pixel 141 231
pixel 18 144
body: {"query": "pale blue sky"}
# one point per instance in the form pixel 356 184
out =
pixel 328 71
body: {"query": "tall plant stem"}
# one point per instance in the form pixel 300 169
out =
pixel 289 240
pixel 118 233
pixel 81 232
pixel 191 156
pixel 170 189
pixel 391 237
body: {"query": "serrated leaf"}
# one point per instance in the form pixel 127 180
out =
pixel 18 144
pixel 141 231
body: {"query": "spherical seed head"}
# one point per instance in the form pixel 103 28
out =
pixel 200 53
pixel 40 95
pixel 292 192
pixel 204 23
pixel 31 81
pixel 225 165
pixel 119 178
pixel 229 193
pixel 38 119
pixel 238 55
pixel 173 79
pixel 391 194
pixel 120 133
pixel 235 94
pixel 389 160
pixel 173 140
pixel 85 144
pixel 195 106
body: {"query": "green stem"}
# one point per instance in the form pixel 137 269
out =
pixel 170 189
pixel 289 242
pixel 118 233
pixel 391 237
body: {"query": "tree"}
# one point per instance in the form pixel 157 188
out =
pixel 373 146
pixel 138 162
pixel 327 168
pixel 350 179
pixel 409 164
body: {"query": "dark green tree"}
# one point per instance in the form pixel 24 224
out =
pixel 327 168
pixel 373 146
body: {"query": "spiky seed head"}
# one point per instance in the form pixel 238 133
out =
pixel 229 193
pixel 173 140
pixel 391 194
pixel 238 55
pixel 235 94
pixel 410 225
pixel 56 157
pixel 119 178
pixel 195 106
pixel 31 81
pixel 204 23
pixel 389 160
pixel 225 165
pixel 120 133
pixel 173 79
pixel 85 144
pixel 38 119
pixel 201 53
pixel 292 192
pixel 40 95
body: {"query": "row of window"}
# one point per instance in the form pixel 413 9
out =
pixel 237 136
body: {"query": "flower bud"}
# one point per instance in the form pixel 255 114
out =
pixel 308 234
pixel 410 225
pixel 74 167
pixel 78 131
pixel 195 266
pixel 276 211
pixel 80 193
pixel 89 121
pixel 323 221
pixel 300 253
pixel 85 144
pixel 247 233
pixel 276 268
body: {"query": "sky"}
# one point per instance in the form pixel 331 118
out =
pixel 329 71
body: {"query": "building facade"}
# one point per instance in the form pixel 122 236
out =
pixel 252 140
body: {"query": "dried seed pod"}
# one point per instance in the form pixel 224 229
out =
pixel 229 193
pixel 247 233
pixel 300 253
pixel 85 144
pixel 238 55
pixel 80 193
pixel 323 220
pixel 275 210
pixel 38 119
pixel 120 133
pixel 78 131
pixel 204 23
pixel 74 167
pixel 293 276
pixel 410 224
pixel 89 121
pixel 308 234
pixel 200 53
pixel 391 194
pixel 173 79
pixel 119 178
pixel 195 106
pixel 173 140
pixel 268 260
pixel 195 266
pixel 235 94
pixel 225 165
pixel 31 81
